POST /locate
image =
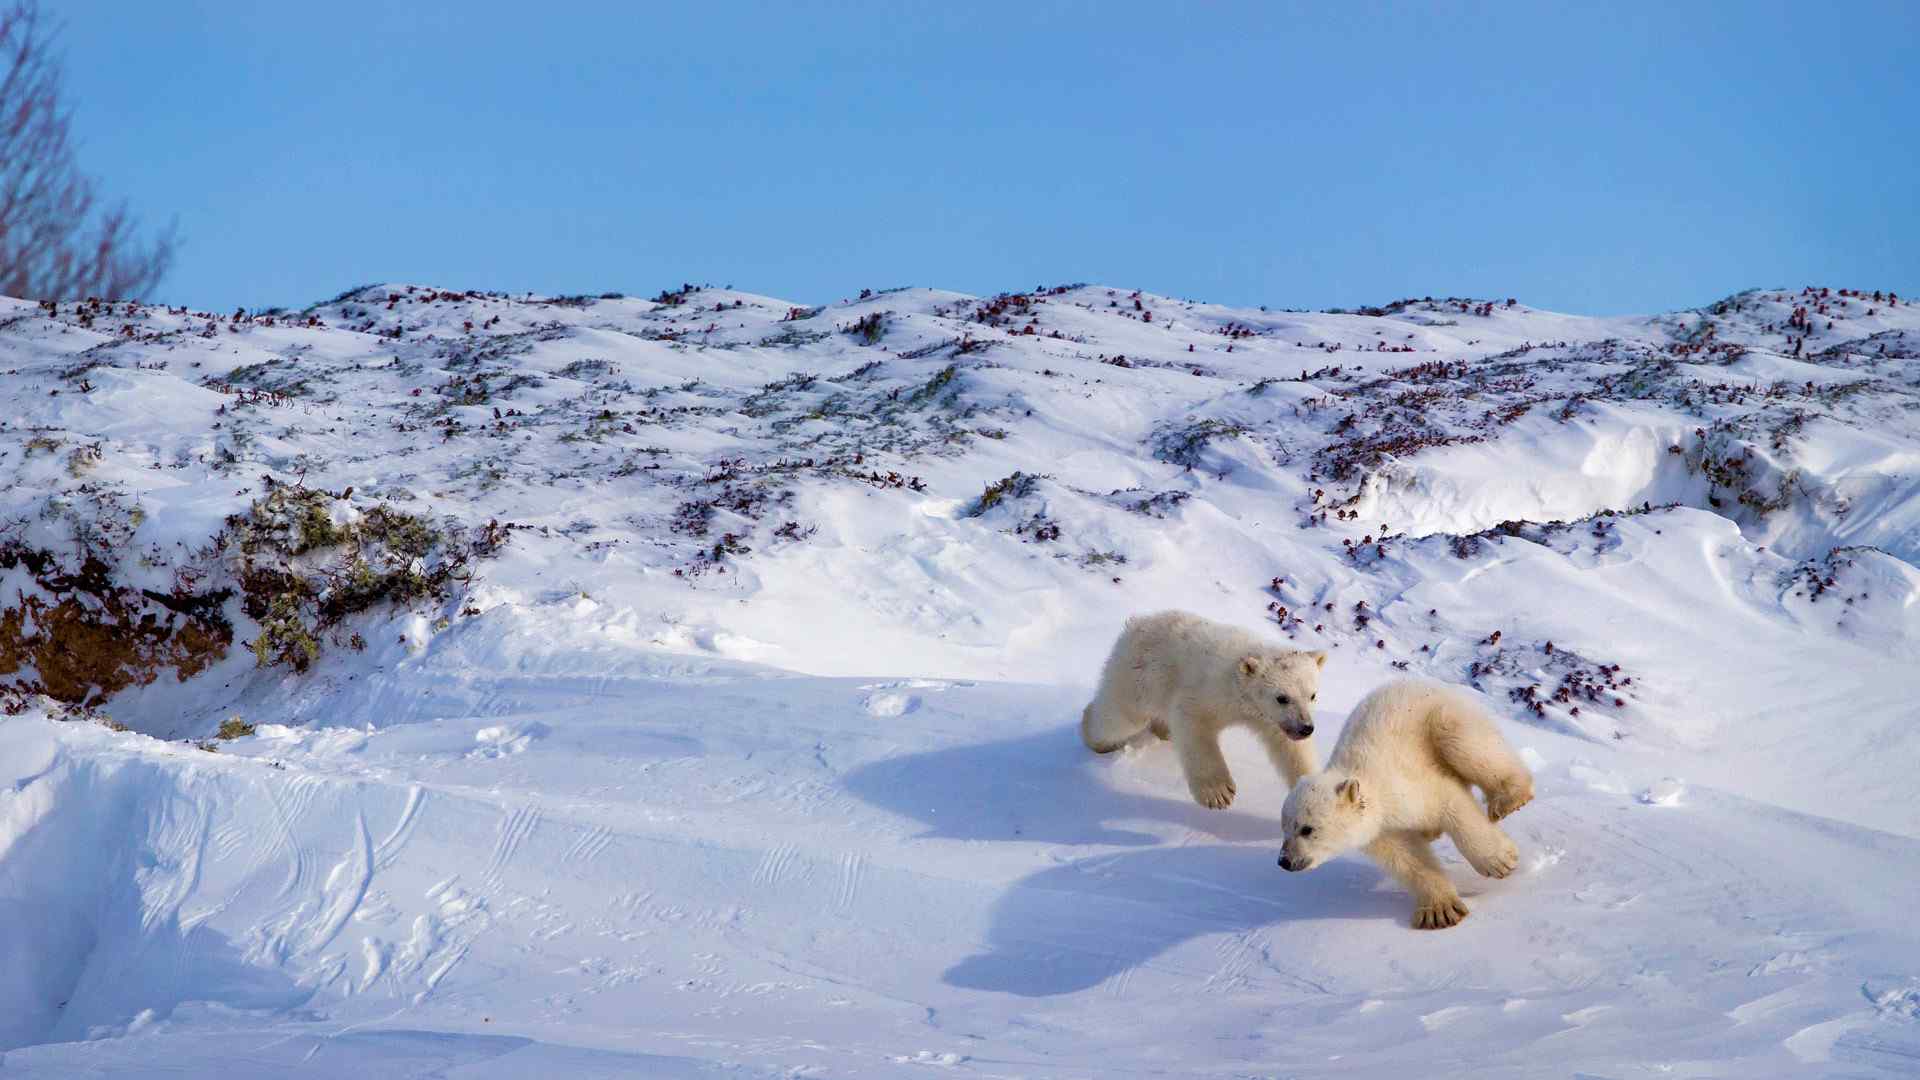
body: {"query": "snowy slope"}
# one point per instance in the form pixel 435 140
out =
pixel 750 751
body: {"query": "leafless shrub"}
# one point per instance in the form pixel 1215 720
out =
pixel 58 240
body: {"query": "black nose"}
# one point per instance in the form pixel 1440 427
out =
pixel 1285 865
pixel 1306 730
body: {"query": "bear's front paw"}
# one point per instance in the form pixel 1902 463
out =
pixel 1214 792
pixel 1440 914
pixel 1508 799
pixel 1497 863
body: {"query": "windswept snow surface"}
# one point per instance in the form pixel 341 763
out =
pixel 754 753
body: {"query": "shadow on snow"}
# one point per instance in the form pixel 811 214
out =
pixel 1072 927
pixel 1044 788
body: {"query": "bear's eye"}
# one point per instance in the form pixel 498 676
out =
pixel 1282 699
pixel 1306 830
pixel 1315 696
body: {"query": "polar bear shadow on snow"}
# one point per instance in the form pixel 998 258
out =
pixel 1040 788
pixel 1070 928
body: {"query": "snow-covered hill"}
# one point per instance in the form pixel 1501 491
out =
pixel 686 686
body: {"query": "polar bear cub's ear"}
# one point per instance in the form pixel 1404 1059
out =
pixel 1319 657
pixel 1349 791
pixel 1251 665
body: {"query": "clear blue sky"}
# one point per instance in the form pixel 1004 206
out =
pixel 1594 158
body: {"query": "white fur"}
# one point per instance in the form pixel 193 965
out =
pixel 1402 773
pixel 1187 679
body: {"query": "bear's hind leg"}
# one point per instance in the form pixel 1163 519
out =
pixel 1107 730
pixel 1467 740
pixel 1410 861
pixel 1507 797
pixel 1489 851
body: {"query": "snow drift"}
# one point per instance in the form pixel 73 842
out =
pixel 686 686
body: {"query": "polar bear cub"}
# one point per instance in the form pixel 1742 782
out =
pixel 1402 773
pixel 1187 679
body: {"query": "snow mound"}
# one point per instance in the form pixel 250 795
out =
pixel 687 685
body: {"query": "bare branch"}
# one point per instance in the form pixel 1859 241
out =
pixel 56 239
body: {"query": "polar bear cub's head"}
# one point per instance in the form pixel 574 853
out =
pixel 1325 814
pixel 1281 687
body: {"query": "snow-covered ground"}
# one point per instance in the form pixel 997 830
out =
pixel 750 749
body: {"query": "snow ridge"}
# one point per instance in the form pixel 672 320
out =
pixel 713 660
